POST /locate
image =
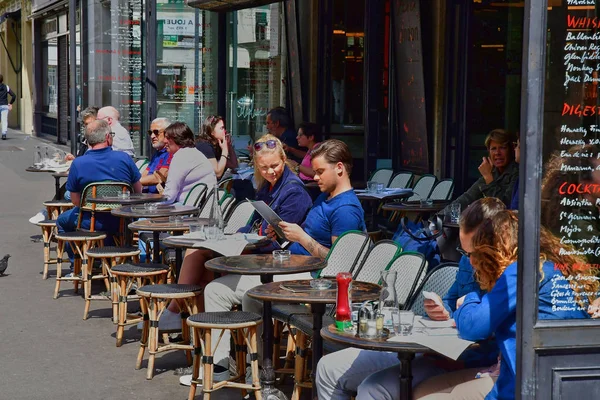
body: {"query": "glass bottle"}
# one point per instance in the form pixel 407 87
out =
pixel 388 299
pixel 215 218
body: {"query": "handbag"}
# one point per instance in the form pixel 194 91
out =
pixel 160 186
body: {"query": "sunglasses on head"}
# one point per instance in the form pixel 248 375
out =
pixel 269 143
pixel 463 252
pixel 155 132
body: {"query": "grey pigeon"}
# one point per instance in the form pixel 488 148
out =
pixel 4 264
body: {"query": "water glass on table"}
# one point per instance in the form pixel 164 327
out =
pixel 455 212
pixel 372 187
pixel 405 320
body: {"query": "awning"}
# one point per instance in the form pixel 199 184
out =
pixel 16 15
pixel 227 5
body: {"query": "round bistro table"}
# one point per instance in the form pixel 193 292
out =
pixel 265 266
pixel 134 198
pixel 318 299
pixel 162 224
pixel 134 212
pixel 406 352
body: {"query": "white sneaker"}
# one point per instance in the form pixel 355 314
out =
pixel 186 380
pixel 38 217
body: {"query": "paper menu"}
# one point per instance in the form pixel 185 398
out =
pixel 433 296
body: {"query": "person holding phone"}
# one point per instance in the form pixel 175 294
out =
pixel 342 373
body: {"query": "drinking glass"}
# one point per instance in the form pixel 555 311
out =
pixel 196 228
pixel 37 157
pixel 380 188
pixel 455 212
pixel 407 319
pixel 176 219
pixel 212 232
pixel 372 187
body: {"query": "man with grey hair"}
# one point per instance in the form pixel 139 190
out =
pixel 122 140
pixel 158 168
pixel 86 116
pixel 100 163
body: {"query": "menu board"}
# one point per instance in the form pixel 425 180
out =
pixel 412 123
pixel 571 189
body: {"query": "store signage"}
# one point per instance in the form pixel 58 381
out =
pixel 412 122
pixel 183 26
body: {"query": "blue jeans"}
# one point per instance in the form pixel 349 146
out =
pixel 67 222
pixel 4 118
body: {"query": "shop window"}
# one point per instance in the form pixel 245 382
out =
pixel 256 78
pixel 50 76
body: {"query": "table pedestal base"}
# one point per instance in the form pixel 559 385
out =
pixel 405 375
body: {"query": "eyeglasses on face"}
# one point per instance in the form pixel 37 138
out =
pixel 112 134
pixel 269 143
pixel 462 251
pixel 155 132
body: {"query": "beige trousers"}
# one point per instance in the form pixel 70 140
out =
pixel 456 385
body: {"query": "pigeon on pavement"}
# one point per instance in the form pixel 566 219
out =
pixel 4 264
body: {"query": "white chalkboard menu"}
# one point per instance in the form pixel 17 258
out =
pixel 571 183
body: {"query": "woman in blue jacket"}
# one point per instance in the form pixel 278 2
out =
pixel 494 257
pixel 279 187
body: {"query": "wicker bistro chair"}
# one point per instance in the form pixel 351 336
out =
pixel 438 280
pixel 98 189
pixel 442 190
pixel 125 277
pixel 402 179
pixel 423 187
pixel 80 242
pixel 196 195
pixel 382 175
pixel 141 164
pixel 56 207
pixel 239 217
pixel 153 300
pixel 109 256
pixel 411 268
pixel 348 251
pixel 48 232
pixel 243 326
pixel 377 259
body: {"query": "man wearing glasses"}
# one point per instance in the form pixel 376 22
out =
pixel 158 168
pixel 122 140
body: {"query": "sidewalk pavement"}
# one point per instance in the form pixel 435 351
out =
pixel 46 350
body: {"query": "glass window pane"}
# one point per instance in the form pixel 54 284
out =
pixel 116 61
pixel 256 70
pixel 49 76
pixel 570 192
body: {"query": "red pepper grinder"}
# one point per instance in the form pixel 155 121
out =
pixel 343 312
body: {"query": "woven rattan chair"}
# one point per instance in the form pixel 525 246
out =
pixel 345 253
pixel 48 231
pixel 125 276
pixel 239 217
pixel 382 175
pixel 56 207
pixel 196 195
pixel 377 259
pixel 227 204
pixel 205 209
pixel 153 300
pixel 141 164
pixel 243 326
pixel 411 268
pixel 438 280
pixel 423 187
pixel 109 256
pixel 443 190
pixel 80 242
pixel 402 179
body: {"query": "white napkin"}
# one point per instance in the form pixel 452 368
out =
pixel 231 245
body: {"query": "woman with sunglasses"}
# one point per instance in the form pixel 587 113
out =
pixel 215 144
pixel 494 259
pixel 188 165
pixel 337 373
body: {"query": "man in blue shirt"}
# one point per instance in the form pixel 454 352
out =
pixel 158 168
pixel 100 163
pixel 335 211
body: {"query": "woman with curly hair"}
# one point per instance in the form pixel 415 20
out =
pixel 494 259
